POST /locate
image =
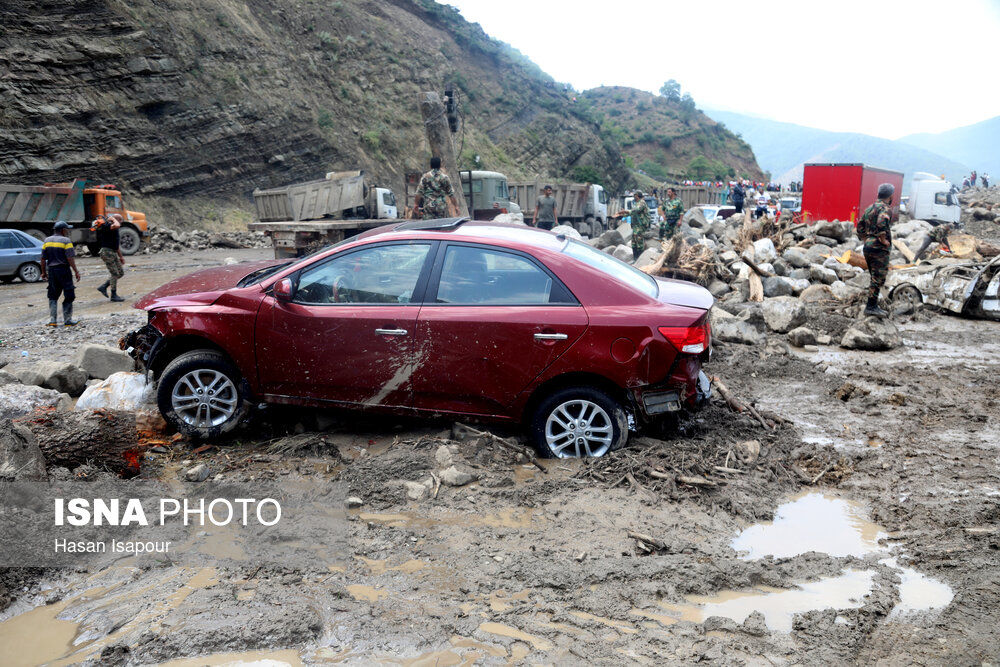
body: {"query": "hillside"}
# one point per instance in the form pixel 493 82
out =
pixel 201 102
pixel 974 145
pixel 667 139
pixel 782 148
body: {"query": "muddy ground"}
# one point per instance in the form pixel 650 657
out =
pixel 884 489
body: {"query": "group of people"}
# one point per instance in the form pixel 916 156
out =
pixel 970 180
pixel 670 207
pixel 59 265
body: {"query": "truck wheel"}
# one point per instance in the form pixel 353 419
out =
pixel 29 272
pixel 202 394
pixel 579 421
pixel 35 232
pixel 129 240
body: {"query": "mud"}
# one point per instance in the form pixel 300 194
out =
pixel 866 531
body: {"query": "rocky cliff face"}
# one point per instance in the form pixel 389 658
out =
pixel 171 98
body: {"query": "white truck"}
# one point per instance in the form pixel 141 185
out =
pixel 303 216
pixel 933 199
pixel 583 205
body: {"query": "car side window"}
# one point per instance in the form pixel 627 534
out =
pixel 380 274
pixel 473 275
pixel 7 241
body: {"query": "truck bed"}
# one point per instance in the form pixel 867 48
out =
pixel 316 225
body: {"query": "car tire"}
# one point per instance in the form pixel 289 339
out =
pixel 558 431
pixel 181 405
pixel 129 240
pixel 29 272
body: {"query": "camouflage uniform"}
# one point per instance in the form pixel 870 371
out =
pixel 673 209
pixel 874 229
pixel 939 234
pixel 640 223
pixel 114 265
pixel 435 188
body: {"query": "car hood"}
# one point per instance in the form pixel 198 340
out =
pixel 684 293
pixel 200 287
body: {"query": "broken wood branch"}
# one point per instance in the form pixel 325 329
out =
pixel 647 540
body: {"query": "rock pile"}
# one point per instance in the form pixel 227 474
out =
pixel 164 239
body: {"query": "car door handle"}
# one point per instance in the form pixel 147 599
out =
pixel 391 332
pixel 551 336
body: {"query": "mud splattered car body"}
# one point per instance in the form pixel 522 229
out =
pixel 966 287
pixel 482 320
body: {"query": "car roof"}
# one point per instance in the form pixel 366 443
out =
pixel 471 231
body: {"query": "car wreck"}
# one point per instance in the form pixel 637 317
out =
pixel 966 287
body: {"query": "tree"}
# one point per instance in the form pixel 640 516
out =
pixel 671 90
pixel 700 168
pixel 687 102
pixel 585 173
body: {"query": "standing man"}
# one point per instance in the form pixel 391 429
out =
pixel 57 260
pixel 545 210
pixel 763 199
pixel 986 180
pixel 874 230
pixel 435 194
pixel 639 215
pixel 738 195
pixel 673 209
pixel 107 238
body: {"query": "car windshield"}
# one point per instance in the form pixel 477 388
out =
pixel 615 268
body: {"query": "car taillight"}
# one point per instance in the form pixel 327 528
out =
pixel 693 340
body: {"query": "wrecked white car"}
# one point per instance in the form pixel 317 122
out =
pixel 965 287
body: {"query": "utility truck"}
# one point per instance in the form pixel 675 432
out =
pixel 34 209
pixel 305 216
pixel 932 198
pixel 583 205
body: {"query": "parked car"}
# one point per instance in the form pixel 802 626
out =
pixel 713 212
pixel 497 322
pixel 20 256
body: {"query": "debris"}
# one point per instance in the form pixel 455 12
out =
pixel 802 336
pixel 199 473
pixel 872 333
pixel 443 456
pixel 20 456
pixel 18 400
pixel 71 439
pixel 695 480
pixel 452 476
pixel 415 490
pixel 748 451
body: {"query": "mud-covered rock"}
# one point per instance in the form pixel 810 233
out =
pixel 872 333
pixel 455 476
pixel 736 330
pixel 815 293
pixel 58 375
pixel 198 473
pixel 100 361
pixel 802 336
pixel 8 378
pixel 20 456
pixel 782 314
pixel 609 239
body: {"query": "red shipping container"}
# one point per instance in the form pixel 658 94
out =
pixel 844 191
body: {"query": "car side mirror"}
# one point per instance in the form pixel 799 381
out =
pixel 283 289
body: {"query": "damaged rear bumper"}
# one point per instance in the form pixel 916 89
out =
pixel 654 401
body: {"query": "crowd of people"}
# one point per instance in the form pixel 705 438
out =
pixel 972 179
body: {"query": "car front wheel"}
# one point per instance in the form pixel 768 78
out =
pixel 201 393
pixel 579 421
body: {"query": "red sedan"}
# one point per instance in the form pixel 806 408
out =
pixel 498 322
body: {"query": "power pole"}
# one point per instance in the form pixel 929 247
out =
pixel 439 138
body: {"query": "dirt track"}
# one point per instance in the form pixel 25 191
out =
pixel 537 566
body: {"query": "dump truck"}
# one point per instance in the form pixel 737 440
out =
pixel 583 205
pixel 34 209
pixel 934 199
pixel 843 191
pixel 303 216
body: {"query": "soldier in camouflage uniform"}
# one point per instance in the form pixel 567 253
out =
pixel 673 209
pixel 640 223
pixel 937 234
pixel 435 192
pixel 874 230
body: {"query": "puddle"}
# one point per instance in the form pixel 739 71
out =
pixel 812 522
pixel 845 591
pixel 499 629
pixel 918 592
pixel 366 593
pixel 285 658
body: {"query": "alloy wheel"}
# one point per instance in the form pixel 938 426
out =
pixel 578 428
pixel 204 398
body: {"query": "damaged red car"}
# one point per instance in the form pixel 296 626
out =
pixel 443 317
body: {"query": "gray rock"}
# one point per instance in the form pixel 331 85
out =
pixel 8 378
pixel 453 476
pixel 199 473
pixel 826 241
pixel 353 502
pixel 18 400
pixel 815 293
pixel 777 286
pixel 443 456
pixel 843 291
pixel 799 286
pixel 717 288
pixel 821 274
pixel 100 361
pixel 415 490
pixel 568 231
pixel 902 229
pixel 717 229
pixel 694 217
pixel 755 625
pixel 781 267
pixel 728 256
pixel 624 253
pixel 764 251
pixel 737 331
pixel 834 230
pixel 817 254
pixel 58 375
pixel 784 313
pixel 20 456
pixel 860 281
pixel 609 238
pixel 872 333
pixel 625 229
pixel 753 314
pixel 802 336
pixel 796 257
pixel 824 339
pixel 799 274
pixel 648 256
pixel 719 623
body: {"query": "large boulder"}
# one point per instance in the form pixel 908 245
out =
pixel 799 274
pixel 20 456
pixel 716 287
pixel 695 218
pixel 802 336
pixel 871 333
pixel 778 286
pixel 100 361
pixel 568 231
pixel 796 257
pixel 609 239
pixel 625 229
pixel 58 375
pixel 648 256
pixel 843 291
pixel 8 378
pixel 18 400
pixel 816 254
pixel 784 313
pixel 764 251
pixel 835 229
pixel 815 293
pixel 624 253
pixel 735 330
pixel 902 229
pixel 821 274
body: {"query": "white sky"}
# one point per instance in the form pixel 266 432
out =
pixel 882 67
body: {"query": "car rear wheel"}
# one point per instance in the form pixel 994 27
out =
pixel 29 272
pixel 579 421
pixel 201 393
pixel 129 240
pixel 906 299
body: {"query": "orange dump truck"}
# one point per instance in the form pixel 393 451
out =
pixel 34 209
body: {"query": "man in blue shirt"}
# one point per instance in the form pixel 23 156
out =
pixel 58 258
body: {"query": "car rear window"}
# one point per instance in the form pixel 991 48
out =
pixel 617 269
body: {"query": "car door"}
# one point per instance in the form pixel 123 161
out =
pixel 9 249
pixel 347 334
pixel 493 320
